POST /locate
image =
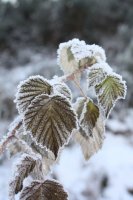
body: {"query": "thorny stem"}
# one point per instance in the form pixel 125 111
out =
pixel 9 137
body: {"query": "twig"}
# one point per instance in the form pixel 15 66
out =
pixel 79 87
pixel 9 138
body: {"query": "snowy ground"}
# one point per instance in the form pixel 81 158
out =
pixel 108 175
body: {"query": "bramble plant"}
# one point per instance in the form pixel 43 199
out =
pixel 48 118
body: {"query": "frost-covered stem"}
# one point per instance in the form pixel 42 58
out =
pixel 79 87
pixel 71 77
pixel 9 137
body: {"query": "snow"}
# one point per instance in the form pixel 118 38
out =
pixel 108 160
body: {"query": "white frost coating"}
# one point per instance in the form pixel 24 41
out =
pixel 122 82
pixel 98 52
pixel 88 51
pixel 79 50
pixel 66 64
pixel 118 97
pixel 34 138
pixel 18 94
pixel 102 65
pixel 58 86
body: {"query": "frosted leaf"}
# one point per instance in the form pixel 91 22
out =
pixel 48 158
pixel 66 58
pixel 89 116
pixel 29 89
pixel 109 91
pixel 91 127
pixel 88 55
pixel 46 190
pixel 97 73
pixel 76 54
pixel 91 144
pixel 50 120
pixel 97 52
pixel 79 105
pixel 62 89
pixel 24 167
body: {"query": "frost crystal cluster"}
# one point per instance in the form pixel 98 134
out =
pixel 48 117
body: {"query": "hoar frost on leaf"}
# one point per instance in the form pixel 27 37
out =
pixel 91 144
pixel 50 120
pixel 29 89
pixel 40 190
pixel 91 127
pixel 23 168
pixel 97 73
pixel 75 54
pixel 109 91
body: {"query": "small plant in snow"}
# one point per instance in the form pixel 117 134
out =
pixel 47 118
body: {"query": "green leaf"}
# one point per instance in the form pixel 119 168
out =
pixel 89 117
pixel 46 190
pixel 91 127
pixel 50 120
pixel 29 89
pixel 109 91
pixel 96 75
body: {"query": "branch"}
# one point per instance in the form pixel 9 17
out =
pixel 9 137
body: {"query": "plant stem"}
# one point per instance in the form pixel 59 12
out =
pixel 9 137
pixel 79 87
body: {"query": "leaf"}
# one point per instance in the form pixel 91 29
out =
pixel 79 105
pixel 91 127
pixel 29 89
pixel 91 144
pixel 50 120
pixel 23 169
pixel 109 91
pixel 48 158
pixel 46 190
pixel 63 89
pixel 89 116
pixel 96 75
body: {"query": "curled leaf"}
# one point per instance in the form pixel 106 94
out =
pixel 46 190
pixel 50 120
pixel 89 116
pixel 23 169
pixel 91 127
